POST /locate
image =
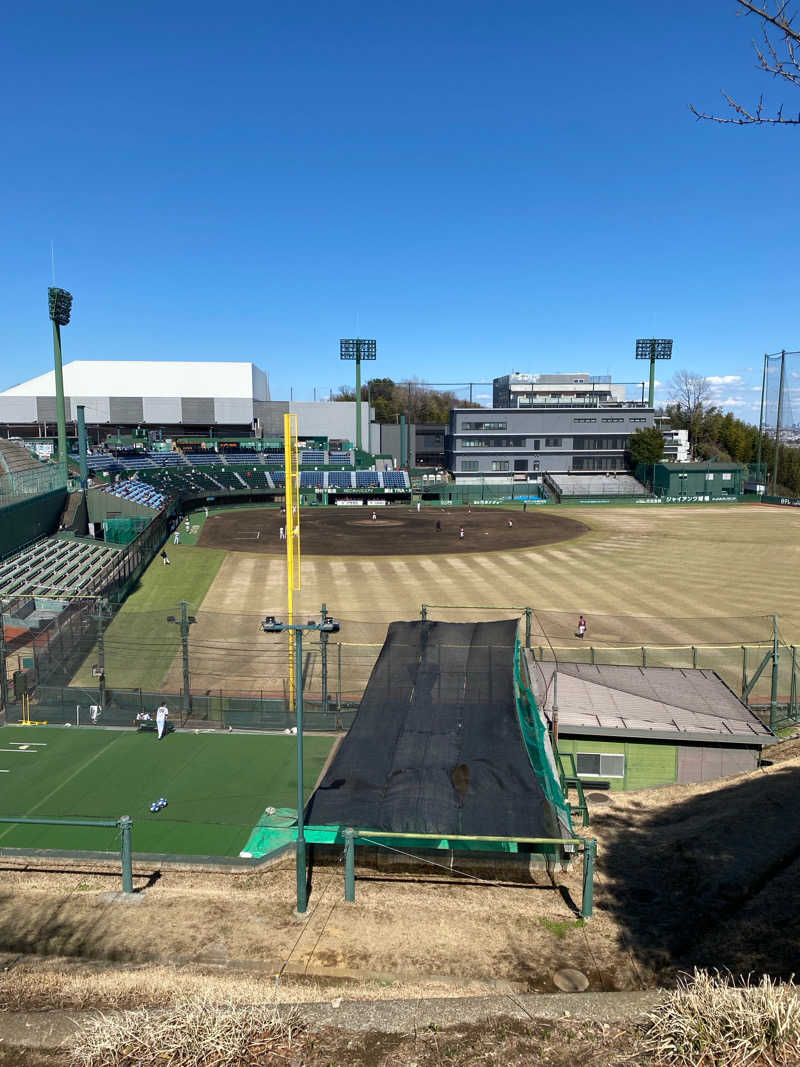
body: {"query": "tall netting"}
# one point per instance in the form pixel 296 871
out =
pixel 782 401
pixel 239 676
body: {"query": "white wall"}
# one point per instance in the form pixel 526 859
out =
pixel 331 419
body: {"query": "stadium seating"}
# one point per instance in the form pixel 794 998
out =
pixel 311 458
pixel 312 479
pixel 340 479
pixel 368 480
pixel 596 485
pixel 255 477
pixel 138 491
pixel 396 479
pixel 56 564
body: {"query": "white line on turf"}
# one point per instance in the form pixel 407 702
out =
pixel 25 751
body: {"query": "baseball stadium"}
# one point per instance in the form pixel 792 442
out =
pixel 354 658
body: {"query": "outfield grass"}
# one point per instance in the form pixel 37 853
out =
pixel 140 644
pixel 217 785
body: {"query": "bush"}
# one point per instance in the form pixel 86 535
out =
pixel 717 1021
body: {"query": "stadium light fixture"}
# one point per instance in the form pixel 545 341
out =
pixel 59 303
pixel 357 348
pixel 653 348
pixel 271 625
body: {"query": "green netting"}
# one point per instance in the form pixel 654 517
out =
pixel 537 742
pixel 124 530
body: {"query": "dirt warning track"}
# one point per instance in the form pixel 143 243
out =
pixel 395 531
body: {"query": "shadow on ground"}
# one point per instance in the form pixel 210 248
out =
pixel 708 881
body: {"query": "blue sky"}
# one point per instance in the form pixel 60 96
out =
pixel 482 187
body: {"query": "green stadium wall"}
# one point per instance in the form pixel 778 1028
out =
pixel 30 518
pixel 647 763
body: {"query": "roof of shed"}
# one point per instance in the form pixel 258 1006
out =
pixel 647 701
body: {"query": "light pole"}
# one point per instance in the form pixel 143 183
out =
pixel 653 348
pixel 357 348
pixel 270 625
pixel 60 305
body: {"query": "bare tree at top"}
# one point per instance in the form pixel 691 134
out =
pixel 778 54
pixel 690 394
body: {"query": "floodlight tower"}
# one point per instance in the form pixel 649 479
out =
pixel 357 348
pixel 653 348
pixel 60 304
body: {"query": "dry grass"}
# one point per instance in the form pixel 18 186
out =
pixel 712 1020
pixel 195 1032
pixel 118 988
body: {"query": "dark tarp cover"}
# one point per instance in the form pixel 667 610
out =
pixel 436 746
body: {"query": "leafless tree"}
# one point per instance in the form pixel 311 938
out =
pixel 690 393
pixel 781 60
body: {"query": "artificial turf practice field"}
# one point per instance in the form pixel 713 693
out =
pixel 217 786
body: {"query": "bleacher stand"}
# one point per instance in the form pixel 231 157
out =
pixel 56 564
pixel 396 479
pixel 312 458
pixel 589 485
pixel 368 480
pixel 312 479
pixel 340 479
pixel 138 491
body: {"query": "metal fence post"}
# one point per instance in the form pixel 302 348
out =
pixel 593 657
pixel 694 656
pixel 644 656
pixel 587 900
pixel 773 691
pixel 339 679
pixel 423 612
pixel 349 865
pixel 125 824
pixel 793 686
pixel 527 627
pixel 744 671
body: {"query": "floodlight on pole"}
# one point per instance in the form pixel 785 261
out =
pixel 357 348
pixel 60 305
pixel 653 348
pixel 328 625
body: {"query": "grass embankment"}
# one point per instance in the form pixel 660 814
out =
pixel 217 785
pixel 140 644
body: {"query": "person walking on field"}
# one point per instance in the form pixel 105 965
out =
pixel 581 627
pixel 176 540
pixel 283 533
pixel 374 515
pixel 461 531
pixel 161 719
pixel 164 558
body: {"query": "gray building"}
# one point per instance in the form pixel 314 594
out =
pixel 536 390
pixel 505 443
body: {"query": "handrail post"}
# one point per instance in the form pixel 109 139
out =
pixel 773 693
pixel 694 656
pixel 423 612
pixel 527 627
pixel 349 865
pixel 744 671
pixel 587 899
pixel 125 824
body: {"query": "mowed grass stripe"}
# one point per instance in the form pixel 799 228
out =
pixel 140 644
pixel 217 785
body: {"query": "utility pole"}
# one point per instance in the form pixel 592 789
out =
pixel 60 306
pixel 100 618
pixel 3 665
pixel 185 621
pixel 323 642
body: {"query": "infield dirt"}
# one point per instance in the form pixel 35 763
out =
pixel 394 531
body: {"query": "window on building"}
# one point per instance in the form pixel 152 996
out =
pixel 637 420
pixel 551 442
pixel 584 420
pixel 485 425
pixel 600 764
pixel 613 420
pixel 499 464
pixel 520 464
pixel 726 477
pixel 535 465
pixel 492 442
pixel 537 444
pixel 469 464
pixel 709 476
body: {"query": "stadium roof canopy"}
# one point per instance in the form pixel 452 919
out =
pixel 150 378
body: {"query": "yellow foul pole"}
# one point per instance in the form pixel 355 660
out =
pixel 292 468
